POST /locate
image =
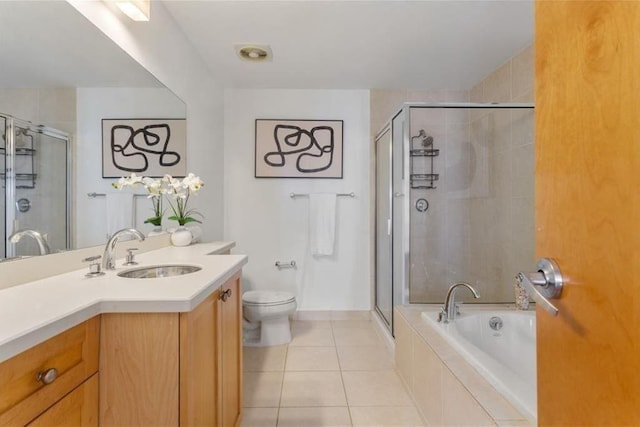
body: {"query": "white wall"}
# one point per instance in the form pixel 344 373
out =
pixel 162 48
pixel 268 225
pixel 95 104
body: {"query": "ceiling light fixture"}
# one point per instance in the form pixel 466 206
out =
pixel 138 10
pixel 254 52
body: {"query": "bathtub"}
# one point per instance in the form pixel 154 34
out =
pixel 506 357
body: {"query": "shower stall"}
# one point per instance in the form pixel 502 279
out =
pixel 35 171
pixel 454 202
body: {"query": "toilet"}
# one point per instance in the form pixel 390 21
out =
pixel 266 315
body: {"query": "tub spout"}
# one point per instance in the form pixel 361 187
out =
pixel 448 310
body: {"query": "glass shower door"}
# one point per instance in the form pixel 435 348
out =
pixel 384 240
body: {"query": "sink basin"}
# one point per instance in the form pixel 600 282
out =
pixel 157 271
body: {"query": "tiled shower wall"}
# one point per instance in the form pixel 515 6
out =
pixel 56 108
pixel 479 227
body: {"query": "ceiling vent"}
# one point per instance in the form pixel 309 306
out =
pixel 254 52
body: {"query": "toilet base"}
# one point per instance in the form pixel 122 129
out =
pixel 271 332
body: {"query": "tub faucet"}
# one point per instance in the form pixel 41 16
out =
pixel 448 310
pixel 109 250
pixel 36 235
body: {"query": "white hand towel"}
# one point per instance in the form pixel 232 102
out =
pixel 322 223
pixel 119 211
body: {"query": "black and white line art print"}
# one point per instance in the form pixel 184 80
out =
pixel 149 147
pixel 298 148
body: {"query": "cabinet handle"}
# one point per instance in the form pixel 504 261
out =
pixel 47 376
pixel 225 295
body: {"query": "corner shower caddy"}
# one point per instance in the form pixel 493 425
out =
pixel 25 179
pixel 423 181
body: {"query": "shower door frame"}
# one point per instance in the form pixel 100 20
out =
pixel 401 291
pixel 10 181
pixel 406 285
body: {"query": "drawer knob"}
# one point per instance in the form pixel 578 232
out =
pixel 225 295
pixel 47 376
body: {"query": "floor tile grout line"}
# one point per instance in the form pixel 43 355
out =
pixel 344 387
pixel 286 355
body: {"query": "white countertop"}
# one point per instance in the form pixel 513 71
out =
pixel 34 312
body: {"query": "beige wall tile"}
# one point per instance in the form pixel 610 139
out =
pixel 427 380
pixel 314 417
pixel 262 389
pixel 312 359
pixel 497 85
pixel 259 417
pixel 523 171
pixel 385 416
pixel 302 389
pixel 364 358
pixel 404 350
pixel 459 408
pixel 522 70
pixel 522 127
pixel 375 388
pixel 262 359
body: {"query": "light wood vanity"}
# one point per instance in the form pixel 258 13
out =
pixel 178 368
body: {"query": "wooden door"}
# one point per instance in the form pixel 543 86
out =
pixel 587 210
pixel 231 345
pixel 78 408
pixel 199 350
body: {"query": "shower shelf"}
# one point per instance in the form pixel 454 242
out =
pixel 23 177
pixel 423 181
pixel 425 153
pixel 21 151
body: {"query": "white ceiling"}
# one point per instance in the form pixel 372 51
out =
pixel 357 44
pixel 49 44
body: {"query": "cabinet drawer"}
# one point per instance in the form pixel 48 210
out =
pixel 78 408
pixel 73 354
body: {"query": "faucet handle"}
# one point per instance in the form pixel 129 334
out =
pixel 130 255
pixel 94 266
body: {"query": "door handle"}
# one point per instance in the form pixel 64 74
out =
pixel 544 284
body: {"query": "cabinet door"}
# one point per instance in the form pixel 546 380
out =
pixel 78 408
pixel 73 354
pixel 199 349
pixel 231 345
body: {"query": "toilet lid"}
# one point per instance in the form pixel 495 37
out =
pixel 267 297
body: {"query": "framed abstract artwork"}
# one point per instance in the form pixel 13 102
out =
pixel 298 148
pixel 150 147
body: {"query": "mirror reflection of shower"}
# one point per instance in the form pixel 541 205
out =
pixel 34 172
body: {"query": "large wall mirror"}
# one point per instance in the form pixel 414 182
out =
pixel 60 76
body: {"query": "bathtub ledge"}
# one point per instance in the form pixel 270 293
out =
pixel 491 400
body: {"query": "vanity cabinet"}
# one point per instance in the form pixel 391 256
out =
pixel 54 382
pixel 174 369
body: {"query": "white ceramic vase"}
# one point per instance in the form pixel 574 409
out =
pixel 181 237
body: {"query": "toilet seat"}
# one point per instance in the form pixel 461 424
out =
pixel 267 298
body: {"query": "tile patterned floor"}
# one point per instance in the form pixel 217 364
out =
pixel 333 373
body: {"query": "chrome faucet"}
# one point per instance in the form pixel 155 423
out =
pixel 109 250
pixel 448 310
pixel 36 235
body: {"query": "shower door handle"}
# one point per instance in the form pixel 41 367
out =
pixel 389 225
pixel 544 284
